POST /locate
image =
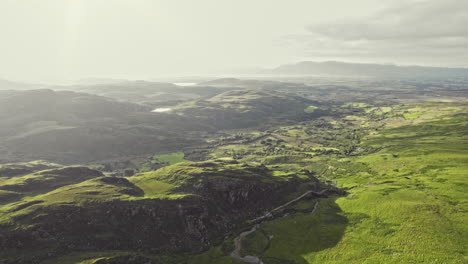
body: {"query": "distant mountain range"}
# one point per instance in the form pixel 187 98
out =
pixel 336 68
pixel 12 85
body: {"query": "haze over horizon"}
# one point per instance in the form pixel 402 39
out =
pixel 233 131
pixel 52 40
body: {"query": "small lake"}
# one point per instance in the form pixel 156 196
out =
pixel 161 110
pixel 185 84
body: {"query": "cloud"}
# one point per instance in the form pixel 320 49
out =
pixel 430 31
pixel 427 19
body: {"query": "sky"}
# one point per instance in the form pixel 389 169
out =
pixel 57 40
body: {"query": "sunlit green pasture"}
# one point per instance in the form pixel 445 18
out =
pixel 406 203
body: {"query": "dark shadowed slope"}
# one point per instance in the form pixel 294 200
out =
pixel 71 127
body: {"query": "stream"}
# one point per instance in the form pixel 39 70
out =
pixel 238 243
pixel 238 240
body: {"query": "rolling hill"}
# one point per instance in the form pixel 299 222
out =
pixel 144 92
pixel 336 68
pixel 304 182
pixel 69 127
pixel 246 108
pixel 183 207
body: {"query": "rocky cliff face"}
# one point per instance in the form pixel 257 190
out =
pixel 217 202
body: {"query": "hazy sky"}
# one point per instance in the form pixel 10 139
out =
pixel 48 40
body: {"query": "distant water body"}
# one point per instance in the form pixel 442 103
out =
pixel 185 84
pixel 161 110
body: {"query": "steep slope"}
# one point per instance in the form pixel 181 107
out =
pixel 185 207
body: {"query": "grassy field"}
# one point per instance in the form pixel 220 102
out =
pixel 404 168
pixel 406 202
pixel 171 158
pixel 161 160
pixel 310 109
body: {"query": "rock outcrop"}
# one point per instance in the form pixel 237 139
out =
pixel 218 198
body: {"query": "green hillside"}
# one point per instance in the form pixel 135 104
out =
pixel 368 184
pixel 406 201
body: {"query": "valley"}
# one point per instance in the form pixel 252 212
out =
pixel 233 132
pixel 258 172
